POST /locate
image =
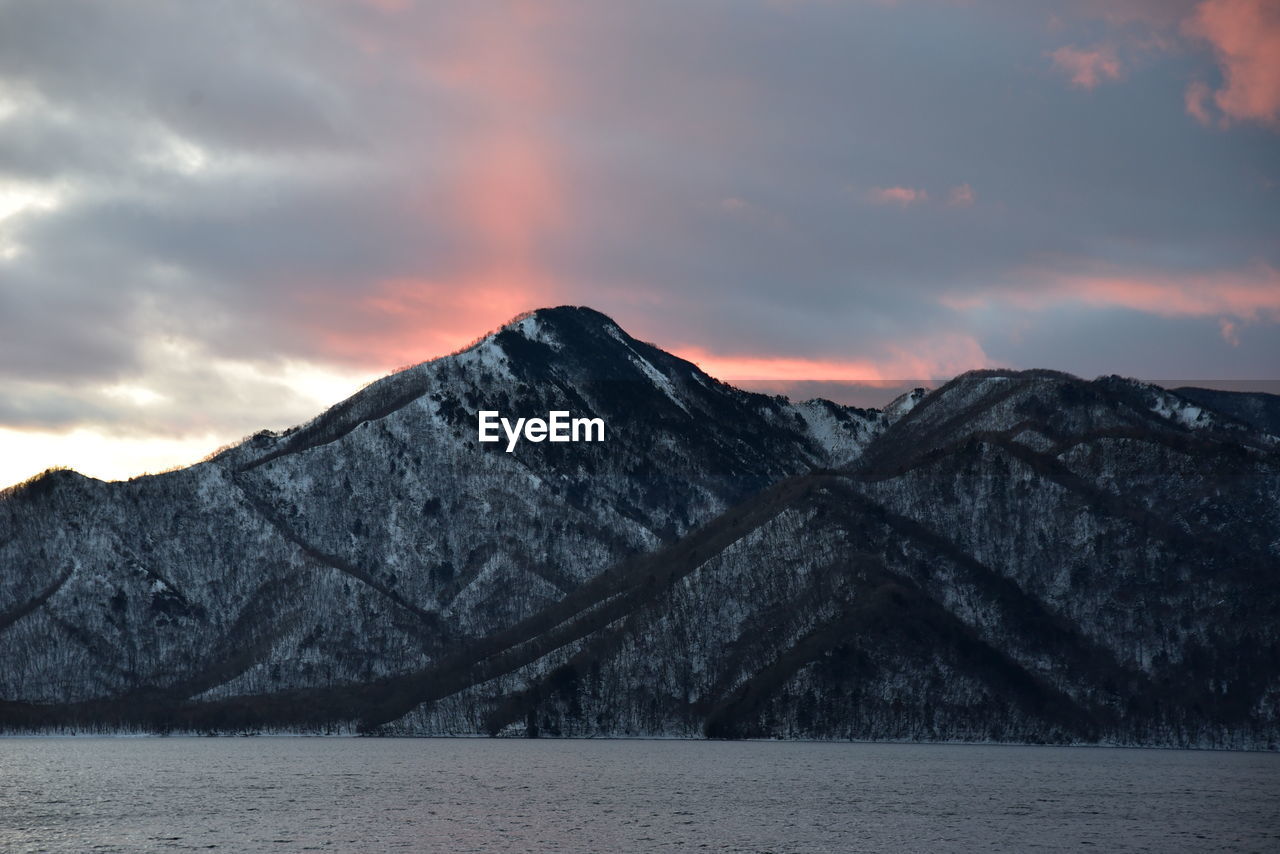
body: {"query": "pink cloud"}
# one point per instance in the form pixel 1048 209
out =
pixel 961 196
pixel 931 357
pixel 1229 334
pixel 750 212
pixel 1197 94
pixel 1087 68
pixel 897 196
pixel 390 7
pixel 1245 36
pixel 1249 295
pixel 403 321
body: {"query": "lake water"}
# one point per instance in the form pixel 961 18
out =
pixel 346 794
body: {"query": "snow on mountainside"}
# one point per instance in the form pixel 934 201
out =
pixel 1014 555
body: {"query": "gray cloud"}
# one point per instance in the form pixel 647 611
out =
pixel 262 181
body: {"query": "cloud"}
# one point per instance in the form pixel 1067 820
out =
pixel 1230 332
pixel 1248 295
pixel 931 357
pixel 1196 97
pixel 743 211
pixel 1087 68
pixel 97 454
pixel 199 210
pixel 179 388
pixel 903 196
pixel 1245 38
pixel 961 196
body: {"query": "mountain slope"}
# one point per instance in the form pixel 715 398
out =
pixel 382 534
pixel 973 587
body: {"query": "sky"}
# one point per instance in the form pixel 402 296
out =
pixel 220 217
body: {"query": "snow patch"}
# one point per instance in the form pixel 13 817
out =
pixel 903 404
pixel 534 329
pixel 655 376
pixel 488 355
pixel 1180 411
pixel 842 440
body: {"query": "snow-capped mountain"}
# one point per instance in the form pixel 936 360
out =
pixel 380 533
pixel 1020 556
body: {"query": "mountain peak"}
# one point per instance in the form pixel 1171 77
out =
pixel 534 324
pixel 574 313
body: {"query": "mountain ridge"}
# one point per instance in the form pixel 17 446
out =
pixel 1012 556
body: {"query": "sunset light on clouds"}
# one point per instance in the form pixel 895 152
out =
pixel 1087 68
pixel 212 224
pixel 1245 35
